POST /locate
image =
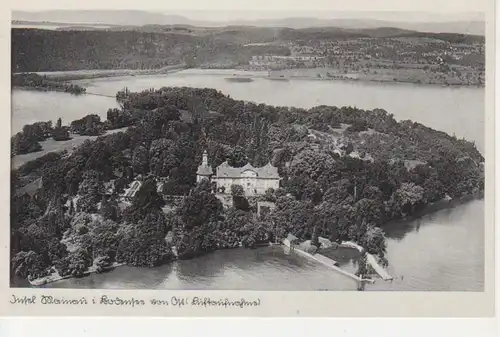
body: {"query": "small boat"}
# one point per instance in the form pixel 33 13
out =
pixel 239 79
pixel 277 78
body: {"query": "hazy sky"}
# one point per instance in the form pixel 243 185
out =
pixel 218 15
pixel 444 10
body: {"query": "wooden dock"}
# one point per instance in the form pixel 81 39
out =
pixel 378 269
pixel 370 259
pixel 326 262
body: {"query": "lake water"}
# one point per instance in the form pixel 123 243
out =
pixel 440 251
pixel 457 110
pixel 30 106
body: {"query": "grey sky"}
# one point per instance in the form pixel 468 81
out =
pixel 218 15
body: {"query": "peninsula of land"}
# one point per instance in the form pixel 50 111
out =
pixel 136 196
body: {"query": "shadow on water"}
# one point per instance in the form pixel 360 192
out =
pixel 271 268
pixel 397 230
pixel 213 264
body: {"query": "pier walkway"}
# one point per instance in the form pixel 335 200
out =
pixel 370 259
pixel 325 261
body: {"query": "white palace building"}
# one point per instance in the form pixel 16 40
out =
pixel 254 180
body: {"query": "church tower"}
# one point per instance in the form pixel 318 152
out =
pixel 204 170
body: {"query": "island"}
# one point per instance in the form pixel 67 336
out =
pixel 153 192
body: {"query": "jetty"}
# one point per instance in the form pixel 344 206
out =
pixel 98 94
pixel 370 259
pixel 289 242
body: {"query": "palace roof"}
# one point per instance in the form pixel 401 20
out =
pixel 224 170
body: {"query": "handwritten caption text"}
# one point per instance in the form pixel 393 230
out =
pixel 105 300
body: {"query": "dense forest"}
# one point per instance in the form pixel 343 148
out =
pixel 35 81
pixel 43 50
pixel 154 47
pixel 346 173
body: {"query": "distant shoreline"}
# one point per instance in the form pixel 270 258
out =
pixel 23 87
pixel 73 75
pixel 76 75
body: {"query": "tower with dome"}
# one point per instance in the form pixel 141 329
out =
pixel 204 170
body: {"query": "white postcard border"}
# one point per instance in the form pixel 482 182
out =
pixel 271 303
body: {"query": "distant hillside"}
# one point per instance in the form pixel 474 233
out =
pixel 48 50
pixel 142 18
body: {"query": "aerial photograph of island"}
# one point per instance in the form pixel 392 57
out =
pixel 153 150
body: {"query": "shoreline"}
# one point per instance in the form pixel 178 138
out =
pixel 440 205
pixel 431 207
pixel 326 261
pixel 398 82
pixel 50 145
pixel 82 74
pixel 20 87
pixel 54 277
pixel 86 74
pixel 434 207
pixel 338 77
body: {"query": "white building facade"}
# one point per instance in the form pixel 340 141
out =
pixel 254 180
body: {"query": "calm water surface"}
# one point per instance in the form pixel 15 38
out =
pixel 441 251
pixel 453 110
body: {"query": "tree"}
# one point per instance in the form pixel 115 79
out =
pixel 22 144
pixel 90 192
pixel 362 267
pixel 434 189
pixel 120 184
pixel 163 157
pixel 366 210
pixel 358 126
pixel 216 154
pixel 104 238
pixel 349 148
pixel 339 193
pixel 330 218
pixel 198 217
pixel 61 134
pixel 292 216
pixel 237 191
pixel 256 231
pixel 99 157
pixel 237 158
pixel 146 200
pixel 407 197
pixel 270 195
pixel 311 163
pixel 29 265
pixel 140 162
pixel 314 236
pixel 373 193
pixel 373 241
pixel 89 125
pixel 109 209
pixel 78 263
pixel 153 230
